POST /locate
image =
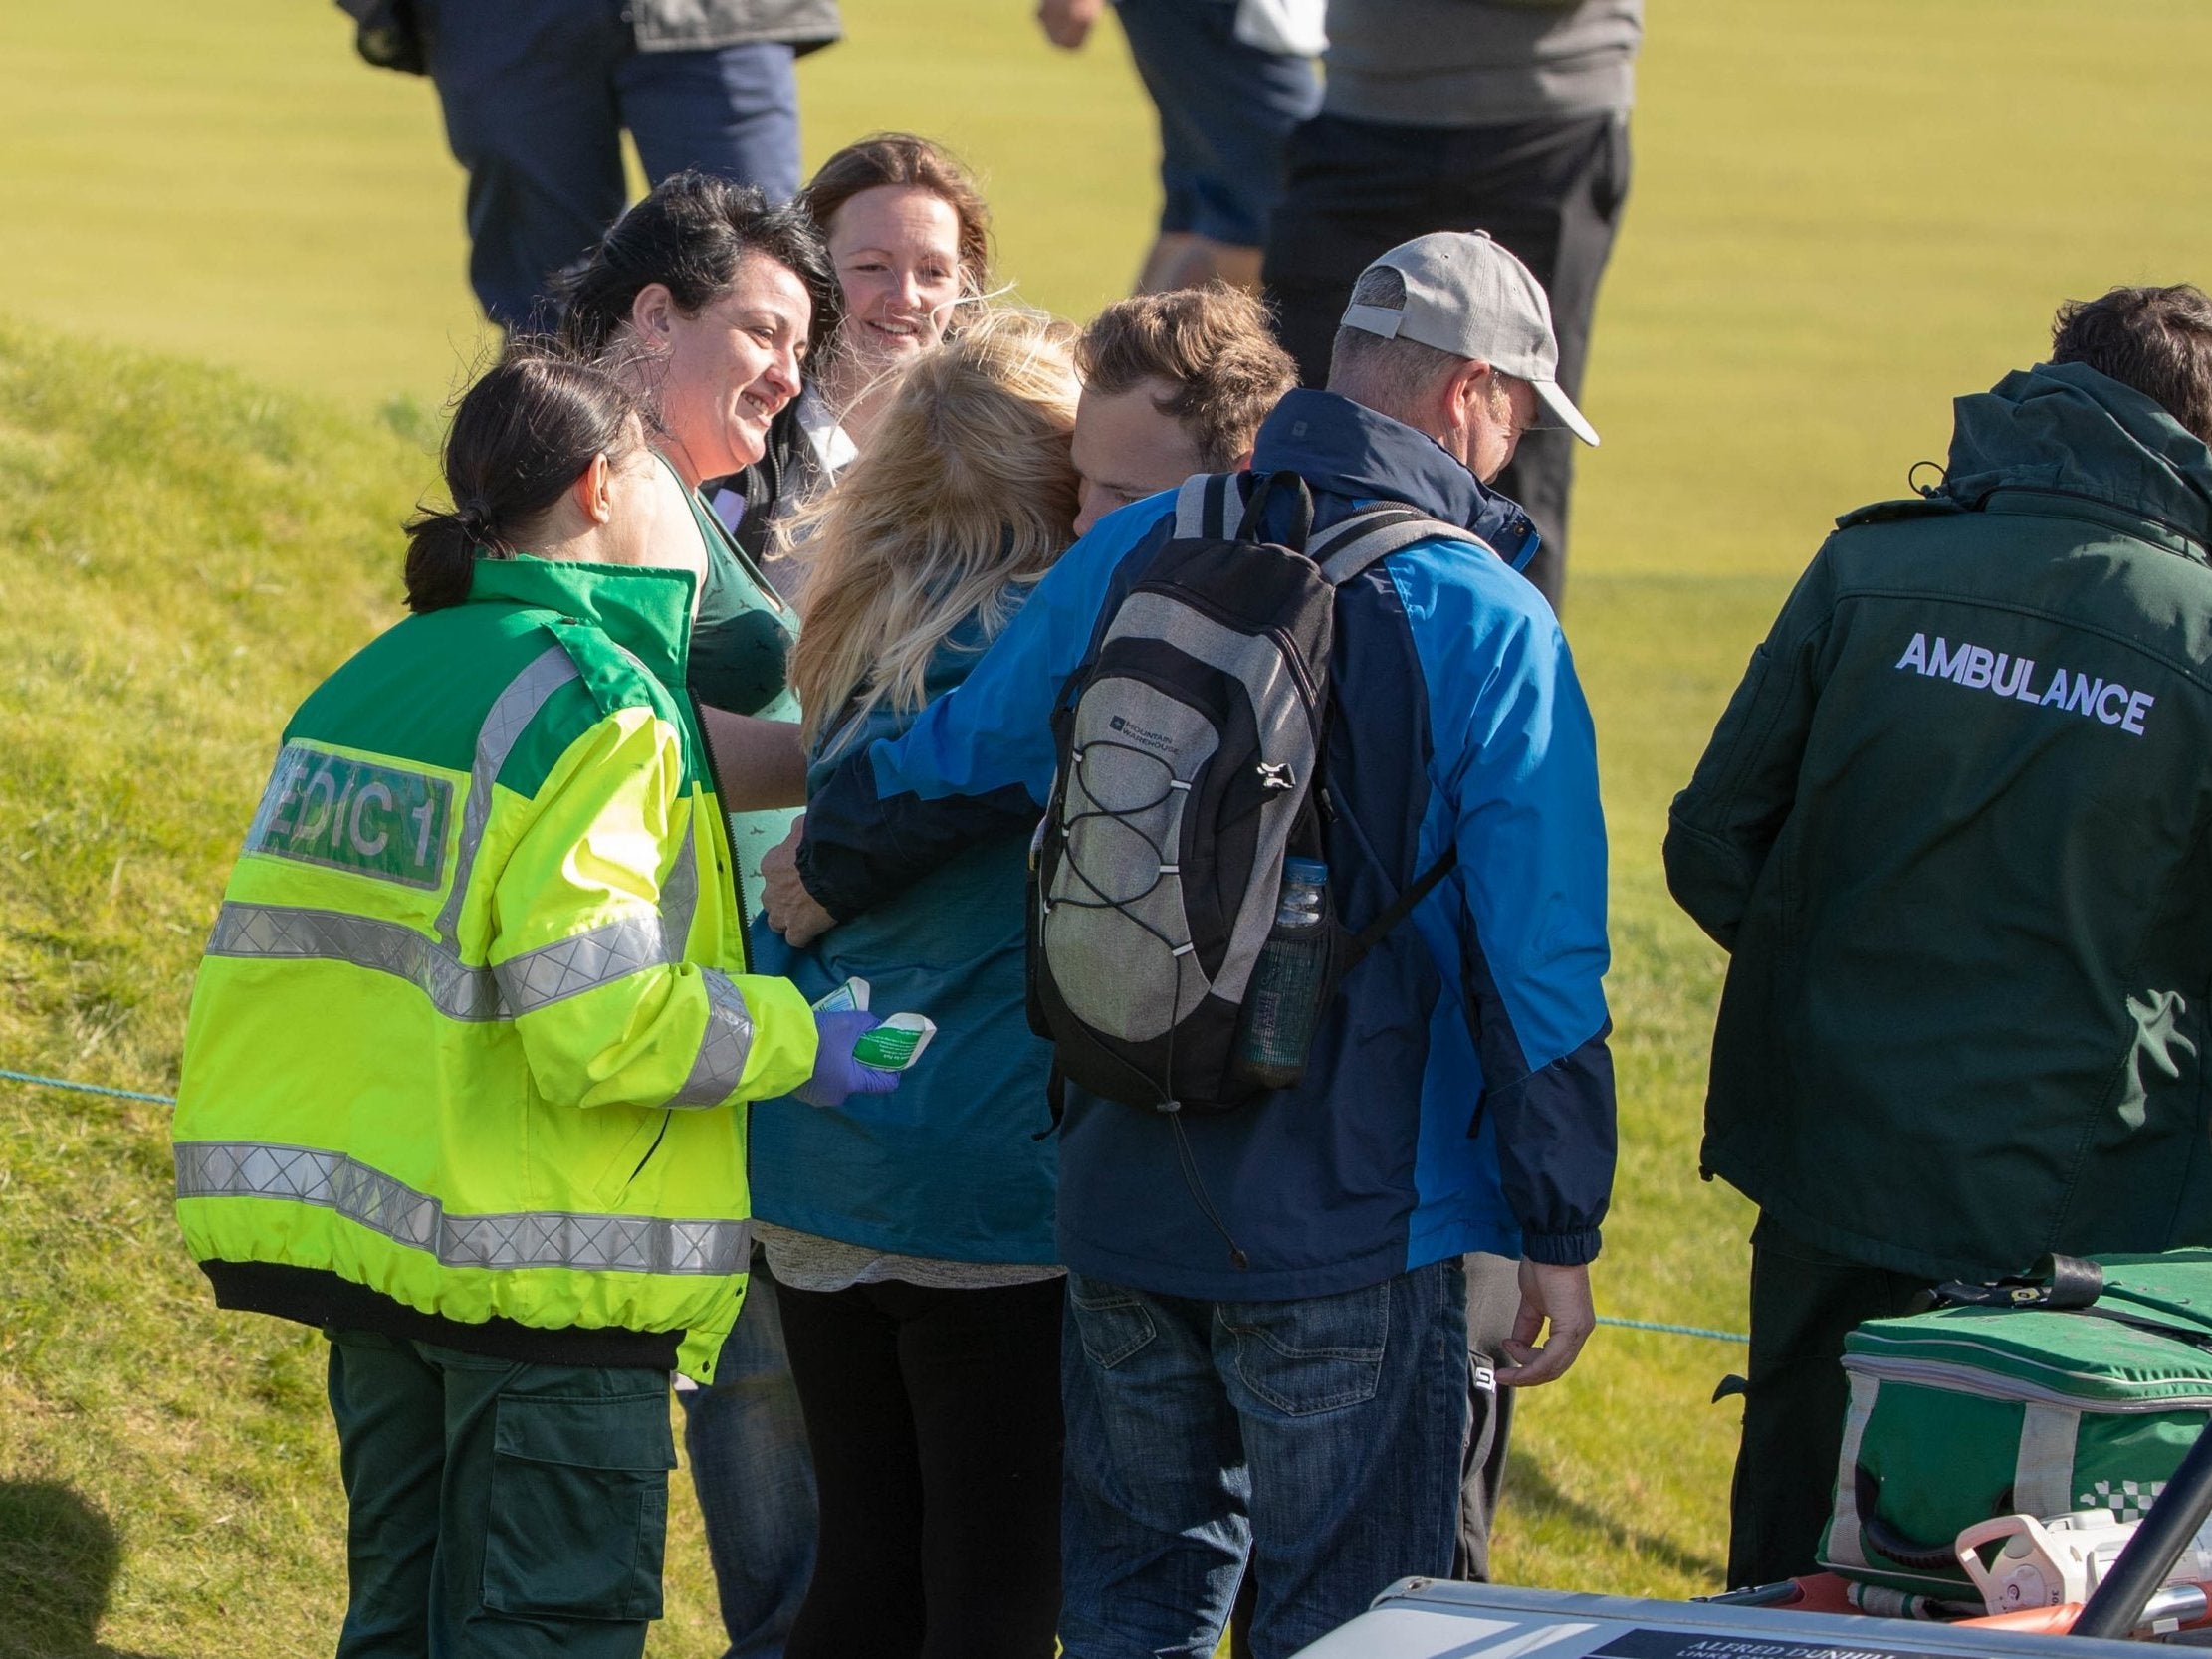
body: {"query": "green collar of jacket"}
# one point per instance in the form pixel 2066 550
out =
pixel 2065 429
pixel 644 609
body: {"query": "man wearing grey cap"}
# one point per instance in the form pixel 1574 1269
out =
pixel 1504 115
pixel 1297 1402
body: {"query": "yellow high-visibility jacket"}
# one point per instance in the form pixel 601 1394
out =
pixel 468 1046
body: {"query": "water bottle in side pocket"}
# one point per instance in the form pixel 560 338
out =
pixel 1290 980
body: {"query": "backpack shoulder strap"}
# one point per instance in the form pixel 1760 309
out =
pixel 1210 505
pixel 1350 545
pixel 1369 936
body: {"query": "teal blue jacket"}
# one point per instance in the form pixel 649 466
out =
pixel 960 1162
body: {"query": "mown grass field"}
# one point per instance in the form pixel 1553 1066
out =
pixel 1843 215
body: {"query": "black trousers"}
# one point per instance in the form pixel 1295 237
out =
pixel 933 1418
pixel 1550 190
pixel 1804 1302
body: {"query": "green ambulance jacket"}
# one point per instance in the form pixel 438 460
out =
pixel 466 1051
pixel 1955 829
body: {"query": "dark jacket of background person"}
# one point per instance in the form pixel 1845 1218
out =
pixel 961 1166
pixel 1969 909
pixel 1460 1094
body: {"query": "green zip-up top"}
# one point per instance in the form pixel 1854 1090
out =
pixel 465 1046
pixel 1953 829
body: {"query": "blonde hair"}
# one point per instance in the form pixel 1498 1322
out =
pixel 967 489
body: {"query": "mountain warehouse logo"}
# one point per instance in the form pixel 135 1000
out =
pixel 1979 668
pixel 1151 740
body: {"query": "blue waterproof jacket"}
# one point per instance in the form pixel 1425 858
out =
pixel 959 1161
pixel 1460 1094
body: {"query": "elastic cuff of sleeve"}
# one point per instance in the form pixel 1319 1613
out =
pixel 808 860
pixel 783 1037
pixel 1561 1249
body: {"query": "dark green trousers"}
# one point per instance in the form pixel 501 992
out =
pixel 498 1509
pixel 1804 1302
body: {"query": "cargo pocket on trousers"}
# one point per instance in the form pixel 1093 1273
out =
pixel 579 1507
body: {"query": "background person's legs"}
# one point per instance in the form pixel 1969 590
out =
pixel 982 1372
pixel 1804 1302
pixel 746 1441
pixel 866 1594
pixel 1153 1528
pixel 1549 190
pixel 530 110
pixel 1353 1410
pixel 1225 111
pixel 733 113
pixel 1494 1299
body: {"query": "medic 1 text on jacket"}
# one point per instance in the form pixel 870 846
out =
pixel 1459 1094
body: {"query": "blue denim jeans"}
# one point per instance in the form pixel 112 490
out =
pixel 1320 1437
pixel 746 1441
pixel 537 96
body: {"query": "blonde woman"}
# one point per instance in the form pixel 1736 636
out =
pixel 913 1248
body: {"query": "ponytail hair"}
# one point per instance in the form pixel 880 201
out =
pixel 521 436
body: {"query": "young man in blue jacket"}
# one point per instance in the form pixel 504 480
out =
pixel 1306 1405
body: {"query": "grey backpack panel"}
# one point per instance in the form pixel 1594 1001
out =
pixel 1188 752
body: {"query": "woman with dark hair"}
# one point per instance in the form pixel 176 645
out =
pixel 465 1070
pixel 909 240
pixel 708 303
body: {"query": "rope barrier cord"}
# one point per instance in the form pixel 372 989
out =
pixel 36 1080
pixel 1675 1329
pixel 87 1088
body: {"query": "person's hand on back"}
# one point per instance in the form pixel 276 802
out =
pixel 791 909
pixel 1560 1294
pixel 1067 23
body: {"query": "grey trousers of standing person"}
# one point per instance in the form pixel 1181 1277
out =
pixel 1551 190
pixel 1494 1299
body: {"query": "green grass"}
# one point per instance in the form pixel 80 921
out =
pixel 1843 216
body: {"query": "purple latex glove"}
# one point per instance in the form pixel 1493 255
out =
pixel 836 1073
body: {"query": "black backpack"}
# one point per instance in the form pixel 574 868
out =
pixel 1190 749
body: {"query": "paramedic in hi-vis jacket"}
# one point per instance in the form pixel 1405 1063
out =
pixel 1952 830
pixel 464 1077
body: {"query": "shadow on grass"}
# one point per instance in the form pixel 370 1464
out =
pixel 1532 1495
pixel 57 1562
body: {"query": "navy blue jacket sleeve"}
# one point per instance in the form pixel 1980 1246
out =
pixel 980 759
pixel 1516 773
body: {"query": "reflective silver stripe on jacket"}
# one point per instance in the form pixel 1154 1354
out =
pixel 553 1238
pixel 521 986
pixel 510 714
pixel 300 934
pixel 724 1048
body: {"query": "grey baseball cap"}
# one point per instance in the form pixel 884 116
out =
pixel 1466 295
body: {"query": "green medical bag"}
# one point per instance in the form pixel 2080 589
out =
pixel 1973 1411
